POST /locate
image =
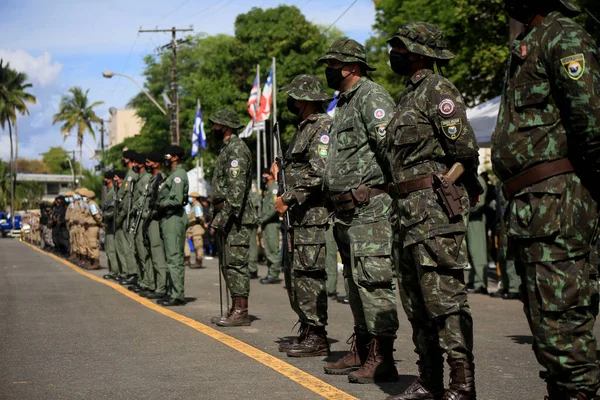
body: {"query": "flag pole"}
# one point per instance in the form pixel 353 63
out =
pixel 274 119
pixel 256 107
pixel 197 158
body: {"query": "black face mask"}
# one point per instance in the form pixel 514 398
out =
pixel 148 168
pixel 334 77
pixel 124 162
pixel 263 182
pixel 218 134
pixel 400 63
pixel 291 105
pixel 136 168
pixel 105 183
pixel 168 162
pixel 522 11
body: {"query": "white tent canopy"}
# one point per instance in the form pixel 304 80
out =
pixel 483 120
pixel 197 182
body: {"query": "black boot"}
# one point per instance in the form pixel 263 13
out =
pixel 462 380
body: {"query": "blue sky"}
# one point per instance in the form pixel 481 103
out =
pixel 65 43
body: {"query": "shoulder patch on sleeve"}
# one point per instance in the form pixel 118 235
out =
pixel 234 172
pixel 177 180
pixel 447 108
pixel 129 178
pixel 381 130
pixel 452 128
pixel 379 113
pixel 234 163
pixel 93 209
pixel 274 191
pixel 574 66
pixel 324 138
pixel 322 150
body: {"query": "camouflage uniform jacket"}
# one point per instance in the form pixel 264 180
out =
pixel 551 110
pixel 124 192
pixel 108 213
pixel 304 168
pixel 269 213
pixel 231 183
pixel 429 133
pixel 172 192
pixel 551 94
pixel 358 150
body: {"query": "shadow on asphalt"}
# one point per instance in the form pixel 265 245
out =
pixel 253 318
pixel 190 299
pixel 521 339
pixel 394 388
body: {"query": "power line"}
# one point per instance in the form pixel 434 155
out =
pixel 340 17
pixel 175 10
pixel 200 12
pixel 126 63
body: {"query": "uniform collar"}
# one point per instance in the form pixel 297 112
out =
pixel 232 138
pixel 350 92
pixel 524 43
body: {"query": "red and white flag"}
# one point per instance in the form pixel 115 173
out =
pixel 253 100
pixel 264 111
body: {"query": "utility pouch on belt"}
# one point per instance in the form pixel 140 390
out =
pixel 448 192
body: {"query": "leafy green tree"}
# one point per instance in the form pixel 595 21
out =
pixel 219 70
pixel 92 182
pixel 56 160
pixel 13 101
pixel 28 195
pixel 31 166
pixel 4 185
pixel 76 113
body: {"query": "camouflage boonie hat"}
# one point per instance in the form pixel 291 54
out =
pixel 227 118
pixel 425 39
pixel 347 51
pixel 571 9
pixel 306 87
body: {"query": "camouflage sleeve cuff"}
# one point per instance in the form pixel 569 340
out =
pixel 289 198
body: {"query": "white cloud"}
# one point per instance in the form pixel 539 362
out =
pixel 38 69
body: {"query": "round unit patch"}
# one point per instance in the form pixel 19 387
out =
pixel 234 163
pixel 177 180
pixel 379 113
pixel 447 108
pixel 324 139
pixel 129 179
pixel 274 191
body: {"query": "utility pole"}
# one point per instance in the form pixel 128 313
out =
pixel 174 93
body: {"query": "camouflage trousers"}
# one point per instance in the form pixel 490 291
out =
pixel 305 276
pixel 234 255
pixel 434 297
pixel 553 229
pixel 364 241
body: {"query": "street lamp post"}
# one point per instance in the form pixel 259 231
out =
pixel 109 74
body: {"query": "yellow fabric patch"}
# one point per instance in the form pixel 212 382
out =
pixel 574 66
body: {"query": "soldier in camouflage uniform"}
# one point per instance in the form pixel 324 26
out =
pixel 234 213
pixel 271 227
pixel 254 237
pixel 546 152
pixel 356 178
pixel 427 136
pixel 305 250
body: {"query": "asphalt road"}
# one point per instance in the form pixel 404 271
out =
pixel 64 335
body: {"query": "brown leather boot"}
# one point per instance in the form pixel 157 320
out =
pixel 302 333
pixel 94 264
pixel 462 380
pixel 186 261
pixel 379 365
pixel 218 318
pixel 314 345
pixel 430 383
pixel 73 257
pixel 359 349
pixel 197 264
pixel 239 316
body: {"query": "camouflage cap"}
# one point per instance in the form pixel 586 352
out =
pixel 347 51
pixel 227 118
pixel 425 39
pixel 306 87
pixel 571 9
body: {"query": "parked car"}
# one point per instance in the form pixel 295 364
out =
pixel 6 227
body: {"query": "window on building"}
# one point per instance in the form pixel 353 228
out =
pixel 52 188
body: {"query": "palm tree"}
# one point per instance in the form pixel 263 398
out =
pixel 13 100
pixel 75 112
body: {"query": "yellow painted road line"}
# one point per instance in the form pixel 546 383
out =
pixel 295 374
